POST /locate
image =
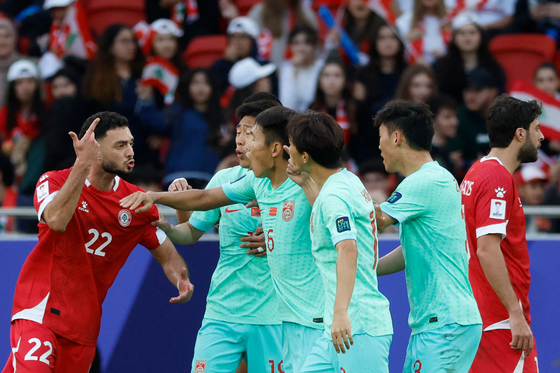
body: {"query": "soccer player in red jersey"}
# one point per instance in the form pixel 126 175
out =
pixel 499 258
pixel 85 238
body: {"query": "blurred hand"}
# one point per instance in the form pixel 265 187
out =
pixel 179 185
pixel 186 289
pixel 228 9
pixel 144 92
pixel 255 243
pixel 162 223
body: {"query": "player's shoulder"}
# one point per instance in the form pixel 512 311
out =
pixel 228 174
pixel 123 186
pixel 56 176
pixel 489 171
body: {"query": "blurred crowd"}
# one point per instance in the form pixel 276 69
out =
pixel 57 68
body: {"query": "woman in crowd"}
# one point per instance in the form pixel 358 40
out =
pixel 276 19
pixel 334 97
pixel 193 125
pixel 417 84
pixel 110 84
pixel 361 24
pixel 8 53
pixel 546 79
pixel 467 51
pixel 297 78
pixel 426 29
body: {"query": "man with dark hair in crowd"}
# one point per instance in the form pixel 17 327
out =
pixel 499 257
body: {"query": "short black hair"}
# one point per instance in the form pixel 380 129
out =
pixel 546 65
pixel 319 135
pixel 441 101
pixel 506 115
pixel 109 120
pixel 254 108
pixel 260 96
pixel 413 119
pixel 273 122
pixel 311 35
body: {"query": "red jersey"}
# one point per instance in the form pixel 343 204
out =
pixel 492 205
pixel 29 127
pixel 64 280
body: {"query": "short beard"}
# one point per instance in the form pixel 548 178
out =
pixel 112 168
pixel 528 152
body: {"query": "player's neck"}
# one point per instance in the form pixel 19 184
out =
pixel 508 157
pixel 100 179
pixel 320 174
pixel 277 174
pixel 413 161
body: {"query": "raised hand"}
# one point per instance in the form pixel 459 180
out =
pixel 186 289
pixel 136 199
pixel 86 148
pixel 297 177
pixel 179 185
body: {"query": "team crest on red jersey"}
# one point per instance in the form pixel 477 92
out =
pixel 200 366
pixel 125 218
pixel 288 210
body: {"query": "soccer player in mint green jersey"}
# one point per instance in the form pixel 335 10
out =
pixel 240 320
pixel 285 214
pixel 358 327
pixel 444 317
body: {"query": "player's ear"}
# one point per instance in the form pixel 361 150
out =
pixel 397 137
pixel 276 148
pixel 520 134
pixel 306 157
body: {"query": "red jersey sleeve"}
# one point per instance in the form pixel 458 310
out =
pixel 153 237
pixel 494 203
pixel 47 188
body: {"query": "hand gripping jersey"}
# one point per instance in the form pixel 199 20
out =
pixel 64 280
pixel 492 206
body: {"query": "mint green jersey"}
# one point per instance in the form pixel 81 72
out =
pixel 285 218
pixel 344 211
pixel 427 204
pixel 241 290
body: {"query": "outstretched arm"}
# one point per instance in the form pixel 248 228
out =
pixel 382 219
pixel 182 234
pixel 391 263
pixel 175 269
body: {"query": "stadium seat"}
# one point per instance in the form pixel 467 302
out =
pixel 103 13
pixel 244 6
pixel 520 54
pixel 203 51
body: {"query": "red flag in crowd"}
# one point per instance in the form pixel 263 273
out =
pixel 163 75
pixel 550 117
pixel 145 36
pixel 72 36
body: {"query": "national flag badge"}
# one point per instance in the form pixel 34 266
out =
pixel 394 197
pixel 288 210
pixel 343 224
pixel 125 218
pixel 255 212
pixel 273 211
pixel 200 366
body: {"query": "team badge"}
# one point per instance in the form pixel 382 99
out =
pixel 394 197
pixel 342 224
pixel 500 192
pixel 42 191
pixel 498 209
pixel 125 218
pixel 288 210
pixel 200 366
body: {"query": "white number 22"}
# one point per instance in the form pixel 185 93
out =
pixel 42 358
pixel 99 251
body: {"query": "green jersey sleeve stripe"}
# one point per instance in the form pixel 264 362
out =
pixel 392 213
pixel 233 196
pixel 205 226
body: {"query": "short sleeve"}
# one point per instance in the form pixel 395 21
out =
pixel 205 220
pixel 241 190
pixel 408 201
pixel 153 237
pixel 493 204
pixel 47 188
pixel 338 219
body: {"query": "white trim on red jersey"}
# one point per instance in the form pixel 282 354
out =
pixel 115 187
pixel 46 201
pixel 33 314
pixel 500 228
pixel 161 236
pixel 484 159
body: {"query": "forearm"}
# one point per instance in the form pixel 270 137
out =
pixel 391 263
pixel 346 264
pixel 183 216
pixel 60 210
pixel 190 200
pixel 496 272
pixel 183 234
pixel 172 267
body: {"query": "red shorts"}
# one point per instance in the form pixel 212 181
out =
pixel 37 349
pixel 495 355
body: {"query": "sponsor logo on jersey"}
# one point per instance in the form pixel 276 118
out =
pixel 42 191
pixel 273 211
pixel 500 192
pixel 394 197
pixel 228 211
pixel 83 207
pixel 288 210
pixel 498 209
pixel 125 218
pixel 200 366
pixel 366 195
pixel 342 224
pixel 255 212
